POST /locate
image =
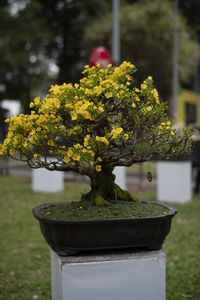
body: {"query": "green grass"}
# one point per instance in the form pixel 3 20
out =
pixel 25 257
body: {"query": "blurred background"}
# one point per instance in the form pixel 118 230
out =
pixel 48 42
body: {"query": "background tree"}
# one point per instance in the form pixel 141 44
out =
pixel 66 21
pixel 35 34
pixel 22 62
pixel 190 10
pixel 147 41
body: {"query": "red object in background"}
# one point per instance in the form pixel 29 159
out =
pixel 100 56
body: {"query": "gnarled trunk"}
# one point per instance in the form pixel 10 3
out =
pixel 104 189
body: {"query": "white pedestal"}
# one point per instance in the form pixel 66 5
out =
pixel 120 173
pixel 174 181
pixel 128 276
pixel 47 181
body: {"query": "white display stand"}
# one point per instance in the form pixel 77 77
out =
pixel 128 276
pixel 174 181
pixel 47 181
pixel 120 173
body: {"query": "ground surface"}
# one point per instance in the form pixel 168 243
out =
pixel 25 259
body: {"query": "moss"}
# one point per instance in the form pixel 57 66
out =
pixel 86 210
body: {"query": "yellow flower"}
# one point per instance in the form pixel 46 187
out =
pixel 37 100
pixel 74 116
pixel 69 86
pixel 137 98
pixel 15 141
pixel 76 157
pixel 92 153
pixel 116 132
pixel 69 152
pixel 172 133
pixel 86 139
pixel 66 159
pixel 143 86
pixel 2 149
pixel 133 105
pixel 102 139
pixel 160 128
pixel 86 115
pixel 108 95
pixel 98 168
pixel 168 123
pixel 149 108
pixel 156 96
pixel 68 106
pixel 35 155
pixel 32 140
pixel 31 105
pixel 101 109
pixel 126 136
pixel 77 146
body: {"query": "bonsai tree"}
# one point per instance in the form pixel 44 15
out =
pixel 91 127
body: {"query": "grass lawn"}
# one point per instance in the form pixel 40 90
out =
pixel 25 257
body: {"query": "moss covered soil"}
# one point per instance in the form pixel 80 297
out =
pixel 86 210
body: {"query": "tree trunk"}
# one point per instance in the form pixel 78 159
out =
pixel 104 189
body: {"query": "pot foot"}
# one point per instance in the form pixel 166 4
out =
pixel 65 252
pixel 155 247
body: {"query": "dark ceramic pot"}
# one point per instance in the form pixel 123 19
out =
pixel 69 237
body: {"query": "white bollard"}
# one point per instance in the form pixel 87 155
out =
pixel 174 181
pixel 120 179
pixel 47 181
pixel 138 276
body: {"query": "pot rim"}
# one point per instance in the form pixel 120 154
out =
pixel 37 214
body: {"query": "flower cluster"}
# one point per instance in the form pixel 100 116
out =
pixel 102 120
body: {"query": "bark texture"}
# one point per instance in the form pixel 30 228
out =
pixel 104 189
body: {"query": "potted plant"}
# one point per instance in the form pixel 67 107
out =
pixel 90 128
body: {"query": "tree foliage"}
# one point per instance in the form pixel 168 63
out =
pixel 91 127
